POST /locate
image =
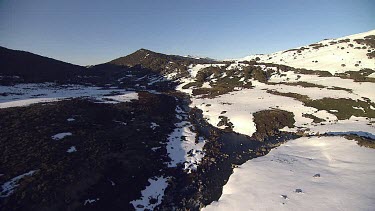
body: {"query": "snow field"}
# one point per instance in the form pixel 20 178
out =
pixel 326 173
pixel 240 105
pixel 335 58
pixel 27 94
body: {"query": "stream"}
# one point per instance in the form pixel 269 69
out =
pixel 224 150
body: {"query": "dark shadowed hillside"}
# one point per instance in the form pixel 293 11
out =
pixel 25 67
pixel 29 67
pixel 158 62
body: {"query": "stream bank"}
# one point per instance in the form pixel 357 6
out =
pixel 224 150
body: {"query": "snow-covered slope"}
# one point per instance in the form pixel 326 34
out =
pixel 287 91
pixel 333 55
pixel 316 173
pixel 239 107
pixel 327 173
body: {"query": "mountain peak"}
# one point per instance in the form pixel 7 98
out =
pixel 144 50
pixel 157 62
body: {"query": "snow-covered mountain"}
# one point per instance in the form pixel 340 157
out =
pixel 350 53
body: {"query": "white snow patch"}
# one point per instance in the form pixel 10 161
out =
pixel 9 187
pixel 182 147
pixel 272 182
pixel 60 136
pixel 154 125
pixel 359 108
pixel 236 65
pixel 171 76
pixel 155 148
pixel 206 85
pixel 161 78
pixel 71 149
pixel 120 122
pixel 90 201
pixel 183 82
pixel 154 191
pixel 354 125
pixel 127 97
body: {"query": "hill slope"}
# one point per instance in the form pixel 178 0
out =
pixel 350 53
pixel 29 67
pixel 158 62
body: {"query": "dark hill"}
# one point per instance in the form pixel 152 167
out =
pixel 28 67
pixel 158 62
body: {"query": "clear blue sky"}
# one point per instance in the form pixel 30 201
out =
pixel 91 31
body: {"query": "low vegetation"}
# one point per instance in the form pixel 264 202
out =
pixel 345 107
pixel 314 118
pixel 358 76
pixel 320 73
pixel 299 83
pixel 219 83
pixel 362 141
pixel 224 121
pixel 300 97
pixel 342 108
pixel 370 42
pixel 268 122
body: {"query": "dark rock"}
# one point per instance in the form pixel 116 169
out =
pixel 316 175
